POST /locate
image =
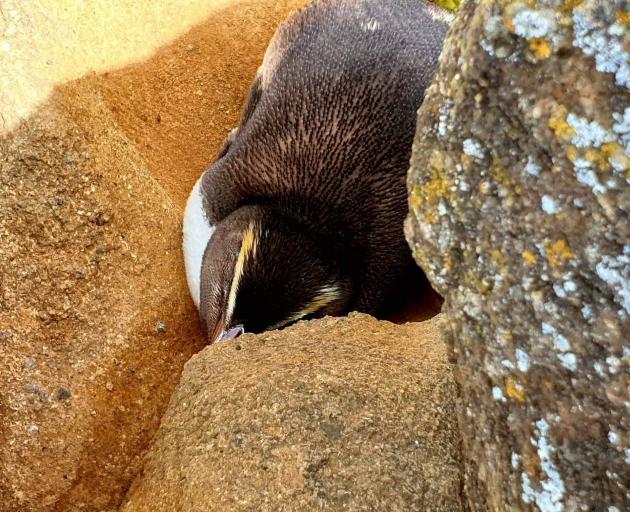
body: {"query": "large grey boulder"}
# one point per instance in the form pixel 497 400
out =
pixel 520 217
pixel 333 414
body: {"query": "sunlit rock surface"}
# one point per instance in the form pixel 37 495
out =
pixel 520 199
pixel 333 414
pixel 95 316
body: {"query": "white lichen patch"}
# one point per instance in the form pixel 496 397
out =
pixel 622 128
pixel 560 342
pixel 549 205
pixel 492 28
pixel 507 364
pixel 584 173
pixel 596 34
pixel 549 493
pixel 473 147
pixel 613 437
pixel 599 369
pixel 615 272
pixel 444 126
pixel 614 364
pixel 562 345
pixel 569 286
pixel 559 290
pixel 515 460
pixel 522 360
pixel 497 394
pixel 568 360
pixel 588 133
pixel 531 23
pixel 532 166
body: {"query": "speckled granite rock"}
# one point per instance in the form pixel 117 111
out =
pixel 333 414
pixel 520 198
pixel 90 272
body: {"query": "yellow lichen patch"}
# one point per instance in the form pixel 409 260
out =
pixel 415 198
pixel 514 390
pixel 558 123
pixel 623 17
pixel 498 259
pixel 438 187
pixel 529 257
pixel 568 5
pixel 474 283
pixel 558 252
pixel 509 23
pixel 448 263
pixel 466 161
pixel 572 153
pixel 436 161
pixel 600 157
pixel 614 154
pixel 502 176
pixel 540 47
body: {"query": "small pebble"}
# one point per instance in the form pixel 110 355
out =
pixel 63 394
pixel 30 362
pixel 33 429
pixel 160 326
pixel 109 386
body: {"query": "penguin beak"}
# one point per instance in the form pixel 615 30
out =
pixel 231 333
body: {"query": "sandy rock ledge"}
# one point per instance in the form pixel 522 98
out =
pixel 352 414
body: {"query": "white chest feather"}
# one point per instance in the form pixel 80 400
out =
pixel 197 232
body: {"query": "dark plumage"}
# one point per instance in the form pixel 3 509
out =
pixel 316 169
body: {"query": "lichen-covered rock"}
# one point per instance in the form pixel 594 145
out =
pixel 333 414
pixel 452 5
pixel 520 199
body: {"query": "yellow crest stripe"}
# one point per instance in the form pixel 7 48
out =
pixel 326 295
pixel 248 249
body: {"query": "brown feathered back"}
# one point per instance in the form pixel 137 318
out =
pixel 326 133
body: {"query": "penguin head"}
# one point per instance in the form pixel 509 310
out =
pixel 260 271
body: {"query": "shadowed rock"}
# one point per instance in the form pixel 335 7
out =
pixel 520 217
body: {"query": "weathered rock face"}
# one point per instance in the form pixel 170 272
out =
pixel 95 317
pixel 520 217
pixel 351 414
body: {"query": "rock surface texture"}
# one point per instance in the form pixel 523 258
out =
pixel 520 200
pixel 333 414
pixel 95 316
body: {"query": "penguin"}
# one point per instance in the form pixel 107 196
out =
pixel 301 214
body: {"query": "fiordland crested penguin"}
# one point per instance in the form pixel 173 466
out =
pixel 301 214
